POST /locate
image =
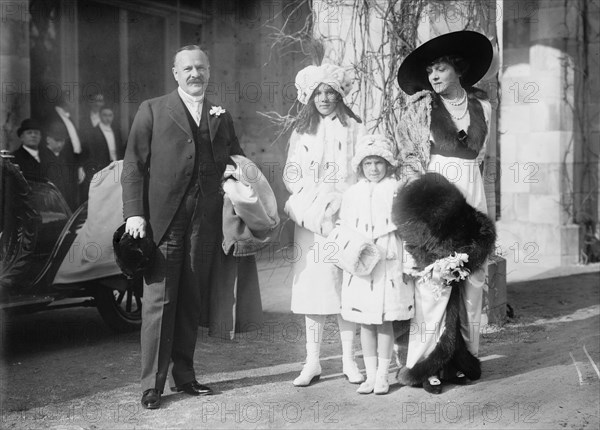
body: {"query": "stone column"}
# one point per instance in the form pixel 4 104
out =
pixel 14 69
pixel 537 140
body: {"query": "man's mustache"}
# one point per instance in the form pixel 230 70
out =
pixel 196 81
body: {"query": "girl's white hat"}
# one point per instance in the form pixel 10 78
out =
pixel 374 145
pixel 309 78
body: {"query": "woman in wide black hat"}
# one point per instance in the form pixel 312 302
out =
pixel 444 129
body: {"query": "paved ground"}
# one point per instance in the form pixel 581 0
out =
pixel 65 370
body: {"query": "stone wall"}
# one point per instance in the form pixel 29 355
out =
pixel 538 140
pixel 14 68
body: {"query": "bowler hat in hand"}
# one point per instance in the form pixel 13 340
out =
pixel 133 255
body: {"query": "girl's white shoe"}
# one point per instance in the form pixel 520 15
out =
pixel 381 385
pixel 350 370
pixel 366 387
pixel 310 373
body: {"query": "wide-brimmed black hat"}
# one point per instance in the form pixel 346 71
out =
pixel 28 124
pixel 474 47
pixel 133 255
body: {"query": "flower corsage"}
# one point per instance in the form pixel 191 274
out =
pixel 216 111
pixel 444 272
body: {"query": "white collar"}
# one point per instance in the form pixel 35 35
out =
pixel 105 127
pixel 189 98
pixel 62 112
pixel 34 152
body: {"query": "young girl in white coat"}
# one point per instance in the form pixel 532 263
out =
pixel 317 173
pixel 382 296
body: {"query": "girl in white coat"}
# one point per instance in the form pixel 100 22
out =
pixel 316 174
pixel 382 296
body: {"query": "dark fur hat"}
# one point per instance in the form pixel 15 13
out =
pixel 132 255
pixel 435 221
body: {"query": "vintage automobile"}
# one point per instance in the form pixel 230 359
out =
pixel 51 258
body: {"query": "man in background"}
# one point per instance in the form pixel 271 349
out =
pixel 61 117
pixel 28 156
pixel 103 146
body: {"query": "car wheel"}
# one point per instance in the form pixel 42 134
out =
pixel 121 309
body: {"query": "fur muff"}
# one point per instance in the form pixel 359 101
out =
pixel 435 221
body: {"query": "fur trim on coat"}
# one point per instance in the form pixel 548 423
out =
pixel 414 130
pixel 446 137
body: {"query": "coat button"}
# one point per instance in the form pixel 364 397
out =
pixel 190 157
pixel 189 141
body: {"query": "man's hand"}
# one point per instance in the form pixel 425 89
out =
pixel 136 226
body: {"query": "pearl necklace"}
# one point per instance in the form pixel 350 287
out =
pixel 462 100
pixel 455 103
pixel 461 116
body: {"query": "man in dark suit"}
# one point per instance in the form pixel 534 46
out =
pixel 61 117
pixel 176 153
pixel 59 164
pixel 28 156
pixel 46 161
pixel 102 146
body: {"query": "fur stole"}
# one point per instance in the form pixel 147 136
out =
pixel 447 138
pixel 435 220
pixel 414 128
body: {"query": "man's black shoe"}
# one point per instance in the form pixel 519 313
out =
pixel 151 399
pixel 195 389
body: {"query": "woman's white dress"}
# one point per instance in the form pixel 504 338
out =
pixel 430 313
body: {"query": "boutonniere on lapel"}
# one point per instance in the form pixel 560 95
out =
pixel 216 111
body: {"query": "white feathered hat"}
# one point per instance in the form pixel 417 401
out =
pixel 374 145
pixel 309 78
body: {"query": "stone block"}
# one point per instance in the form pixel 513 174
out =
pixel 530 244
pixel 512 176
pixel 507 207
pixel 543 88
pixel 548 22
pixel 546 60
pixel 516 61
pixel 522 205
pixel 551 116
pixel 508 147
pixel 569 239
pixel 544 209
pixel 494 296
pixel 514 118
pixel 545 179
pixel 543 147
